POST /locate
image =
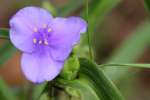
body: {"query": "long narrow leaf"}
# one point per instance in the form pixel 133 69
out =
pixel 4 33
pixel 104 88
pixel 7 49
pixel 99 11
pixel 6 92
pixel 130 50
pixel 37 91
pixel 70 7
pixel 126 65
pixel 147 4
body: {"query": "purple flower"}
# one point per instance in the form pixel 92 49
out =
pixel 46 42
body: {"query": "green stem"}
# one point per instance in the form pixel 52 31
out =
pixel 88 34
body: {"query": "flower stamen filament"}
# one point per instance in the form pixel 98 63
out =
pixel 45 42
pixel 49 30
pixel 40 41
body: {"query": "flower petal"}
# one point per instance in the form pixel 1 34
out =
pixel 40 68
pixel 66 33
pixel 23 24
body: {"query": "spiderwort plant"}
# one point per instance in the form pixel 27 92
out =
pixel 46 42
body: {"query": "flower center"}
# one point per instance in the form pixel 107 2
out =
pixel 41 36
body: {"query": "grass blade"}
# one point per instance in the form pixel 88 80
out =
pixel 104 88
pixel 5 91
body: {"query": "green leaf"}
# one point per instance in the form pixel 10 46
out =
pixel 38 90
pixel 126 65
pixel 98 10
pixel 147 4
pixel 130 50
pixel 4 33
pixel 104 88
pixel 6 51
pixel 5 92
pixel 70 7
pixel 78 89
pixel 133 46
pixel 48 5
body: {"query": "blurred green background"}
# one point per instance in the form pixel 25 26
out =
pixel 119 33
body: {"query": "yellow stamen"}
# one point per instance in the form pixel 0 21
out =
pixel 40 41
pixel 35 29
pixel 49 30
pixel 34 40
pixel 45 42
